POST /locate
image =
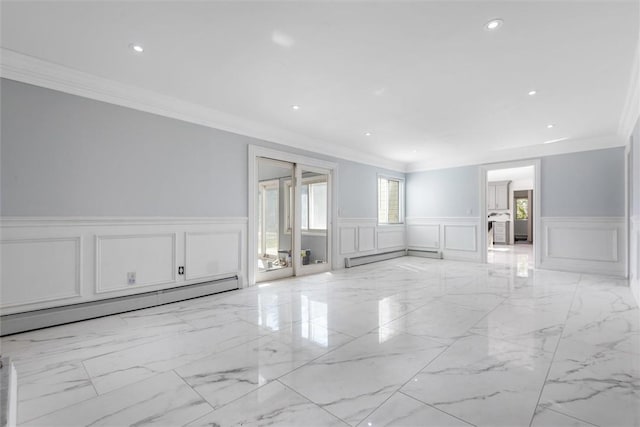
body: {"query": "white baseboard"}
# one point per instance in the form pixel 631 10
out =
pixel 584 244
pixel 49 262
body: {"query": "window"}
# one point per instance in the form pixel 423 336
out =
pixel 522 208
pixel 313 205
pixel 390 200
pixel 268 200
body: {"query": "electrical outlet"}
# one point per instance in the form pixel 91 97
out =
pixel 131 278
pixel 181 270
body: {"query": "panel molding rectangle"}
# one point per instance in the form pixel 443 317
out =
pixel 76 278
pixel 100 286
pixel 190 254
pixel 460 237
pixel 584 244
pixel 366 238
pixel 348 239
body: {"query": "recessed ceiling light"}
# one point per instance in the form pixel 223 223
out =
pixel 494 24
pixel 295 107
pixel 532 92
pixel 136 47
pixel 550 125
pixel 367 134
pixel 415 151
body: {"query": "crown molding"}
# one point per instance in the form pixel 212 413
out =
pixel 631 109
pixel 520 153
pixel 38 72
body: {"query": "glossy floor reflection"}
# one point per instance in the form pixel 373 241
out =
pixel 405 342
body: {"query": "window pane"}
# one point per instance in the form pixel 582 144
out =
pixel 304 206
pixel 271 220
pixel 522 208
pixel 383 201
pixel 394 202
pixel 318 206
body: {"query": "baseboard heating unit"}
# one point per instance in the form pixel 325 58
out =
pixel 368 259
pixel 424 253
pixel 37 319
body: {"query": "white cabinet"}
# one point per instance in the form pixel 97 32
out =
pixel 498 195
pixel 501 232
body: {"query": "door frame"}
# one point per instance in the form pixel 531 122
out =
pixel 256 151
pixel 537 191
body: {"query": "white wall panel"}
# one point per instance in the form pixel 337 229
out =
pixel 366 238
pixel 348 243
pixel 460 237
pixel 388 239
pixel 40 270
pixel 43 267
pixel 151 257
pixel 423 236
pixel 212 254
pixel 590 245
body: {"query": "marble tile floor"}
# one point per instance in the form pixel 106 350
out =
pixel 405 342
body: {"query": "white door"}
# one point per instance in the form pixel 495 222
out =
pixel 313 220
pixel 274 231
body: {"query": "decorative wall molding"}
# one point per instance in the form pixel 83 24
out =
pixel 31 266
pixel 152 247
pixel 38 72
pixel 584 244
pixel 6 222
pixel 456 237
pixel 364 236
pixel 226 248
pixel 132 248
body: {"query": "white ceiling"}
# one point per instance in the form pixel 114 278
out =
pixel 420 76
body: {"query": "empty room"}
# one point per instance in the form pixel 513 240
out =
pixel 320 213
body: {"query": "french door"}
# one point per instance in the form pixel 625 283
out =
pixel 293 219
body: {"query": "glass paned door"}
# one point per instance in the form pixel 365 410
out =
pixel 275 240
pixel 315 227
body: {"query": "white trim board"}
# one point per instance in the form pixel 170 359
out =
pixel 27 69
pixel 631 109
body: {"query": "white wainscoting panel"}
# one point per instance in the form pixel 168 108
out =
pixel 366 238
pixel 363 236
pixel 456 237
pixel 212 254
pixel 460 237
pixel 423 236
pixel 49 262
pixel 40 270
pixel 152 257
pixel 634 257
pixel 391 237
pixel 348 242
pixel 584 244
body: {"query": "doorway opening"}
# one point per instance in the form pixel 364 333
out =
pixel 511 221
pixel 291 211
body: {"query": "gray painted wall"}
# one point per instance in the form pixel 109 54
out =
pixel 590 183
pixel 450 192
pixel 64 155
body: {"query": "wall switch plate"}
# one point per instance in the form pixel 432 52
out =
pixel 131 278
